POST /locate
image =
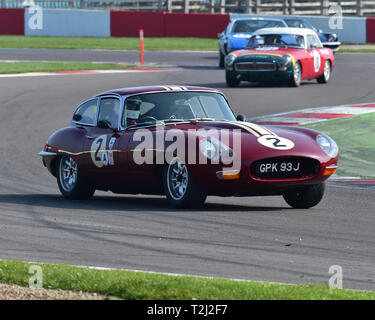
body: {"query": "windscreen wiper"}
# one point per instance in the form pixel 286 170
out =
pixel 142 124
pixel 203 119
pixel 174 120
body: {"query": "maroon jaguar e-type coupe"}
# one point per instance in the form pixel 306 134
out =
pixel 185 143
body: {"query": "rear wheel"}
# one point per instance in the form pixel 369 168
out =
pixel 232 82
pixel 295 80
pixel 324 78
pixel 180 188
pixel 70 181
pixel 305 197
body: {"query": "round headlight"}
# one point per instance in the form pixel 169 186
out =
pixel 332 36
pixel 229 59
pixel 209 149
pixel 286 60
pixel 328 145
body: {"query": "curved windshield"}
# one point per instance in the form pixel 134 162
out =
pixel 300 24
pixel 277 40
pixel 175 107
pixel 250 26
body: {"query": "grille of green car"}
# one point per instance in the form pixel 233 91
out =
pixel 255 66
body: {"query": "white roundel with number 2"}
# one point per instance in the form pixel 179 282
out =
pixel 276 142
pixel 98 151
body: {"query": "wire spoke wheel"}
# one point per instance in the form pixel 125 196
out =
pixel 71 183
pixel 297 73
pixel 327 70
pixel 177 179
pixel 295 79
pixel 324 78
pixel 68 173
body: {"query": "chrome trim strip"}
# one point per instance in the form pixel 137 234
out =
pixel 337 43
pixel 244 64
pixel 45 153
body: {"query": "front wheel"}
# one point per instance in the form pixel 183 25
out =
pixel 305 197
pixel 71 183
pixel 232 82
pixel 295 80
pixel 180 188
pixel 324 78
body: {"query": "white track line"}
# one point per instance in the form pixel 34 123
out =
pixel 287 117
pixel 83 72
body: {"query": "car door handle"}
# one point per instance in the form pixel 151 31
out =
pixel 89 137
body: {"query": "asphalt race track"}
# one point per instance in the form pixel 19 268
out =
pixel 242 238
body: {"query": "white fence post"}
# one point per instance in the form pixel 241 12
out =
pixel 212 6
pixel 285 7
pixel 222 6
pixel 169 6
pixel 186 6
pixel 292 4
pixel 324 7
pixel 359 8
pixel 248 6
pixel 257 6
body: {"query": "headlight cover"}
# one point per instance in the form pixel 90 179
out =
pixel 286 61
pixel 332 37
pixel 215 150
pixel 229 59
pixel 328 145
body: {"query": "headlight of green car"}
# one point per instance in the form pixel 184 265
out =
pixel 286 61
pixel 229 59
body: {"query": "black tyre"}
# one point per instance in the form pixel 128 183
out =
pixel 295 79
pixel 180 188
pixel 221 60
pixel 232 82
pixel 71 183
pixel 324 78
pixel 305 197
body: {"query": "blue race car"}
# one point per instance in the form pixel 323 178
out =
pixel 328 40
pixel 239 31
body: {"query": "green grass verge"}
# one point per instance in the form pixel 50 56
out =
pixel 140 285
pixel 357 47
pixel 108 43
pixel 364 50
pixel 132 43
pixel 355 137
pixel 21 67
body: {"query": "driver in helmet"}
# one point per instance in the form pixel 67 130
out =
pixel 132 110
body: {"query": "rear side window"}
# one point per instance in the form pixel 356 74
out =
pixel 86 113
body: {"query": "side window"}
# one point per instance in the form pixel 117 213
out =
pixel 109 111
pixel 317 41
pixel 86 113
pixel 313 41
